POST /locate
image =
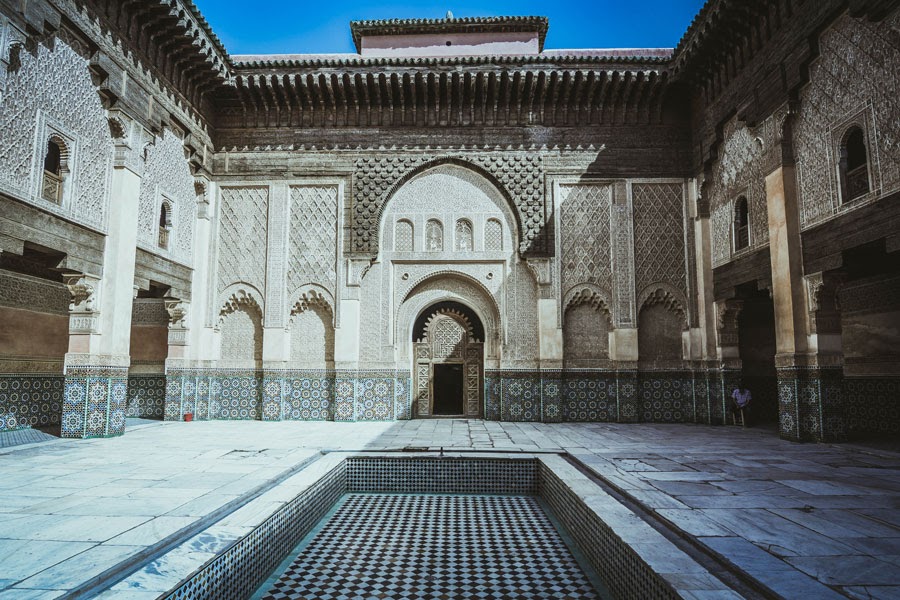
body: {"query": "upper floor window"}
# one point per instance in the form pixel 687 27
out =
pixel 55 169
pixel 741 224
pixel 464 235
pixel 854 167
pixel 403 236
pixel 493 235
pixel 434 236
pixel 165 225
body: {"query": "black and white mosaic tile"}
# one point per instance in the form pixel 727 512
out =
pixel 410 547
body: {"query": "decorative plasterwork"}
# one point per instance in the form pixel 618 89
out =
pixel 177 311
pixel 241 297
pixel 852 82
pixel 623 282
pixel 727 313
pixel 518 176
pixel 311 295
pixel 668 297
pixel 591 295
pixel 52 92
pixel 243 234
pixel 84 313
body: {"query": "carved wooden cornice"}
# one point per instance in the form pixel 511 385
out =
pixel 490 93
pixel 169 35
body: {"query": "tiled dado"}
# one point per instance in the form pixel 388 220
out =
pixel 282 395
pixel 30 400
pixel 95 401
pixel 872 404
pixel 811 404
pixel 595 395
pixel 146 396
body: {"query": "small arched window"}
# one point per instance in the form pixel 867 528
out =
pixel 854 166
pixel 741 224
pixel 493 236
pixel 434 236
pixel 403 236
pixel 54 170
pixel 464 235
pixel 165 224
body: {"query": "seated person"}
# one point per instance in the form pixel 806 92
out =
pixel 740 404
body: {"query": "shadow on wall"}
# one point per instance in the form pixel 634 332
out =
pixel 756 342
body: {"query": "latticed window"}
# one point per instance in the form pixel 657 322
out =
pixel 854 166
pixel 741 224
pixel 54 171
pixel 403 236
pixel 434 236
pixel 165 225
pixel 464 235
pixel 493 236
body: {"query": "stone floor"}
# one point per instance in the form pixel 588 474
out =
pixel 805 520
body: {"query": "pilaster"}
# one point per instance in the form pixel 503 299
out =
pixel 621 225
pixel 96 366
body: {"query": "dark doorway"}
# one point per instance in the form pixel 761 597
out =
pixel 448 389
pixel 756 339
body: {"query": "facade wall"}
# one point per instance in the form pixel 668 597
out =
pixel 853 82
pixel 34 331
pixel 870 332
pixel 298 256
pixel 50 93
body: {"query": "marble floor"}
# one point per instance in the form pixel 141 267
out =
pixel 804 520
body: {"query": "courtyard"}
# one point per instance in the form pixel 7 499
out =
pixel 783 519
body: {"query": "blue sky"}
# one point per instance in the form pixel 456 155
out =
pixel 314 26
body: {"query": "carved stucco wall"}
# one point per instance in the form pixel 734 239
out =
pixel 585 236
pixel 447 194
pixel 659 336
pixel 854 81
pixel 585 336
pixel 520 174
pixel 312 338
pixel 52 91
pixel 241 336
pixel 242 237
pixel 746 156
pixel 659 256
pixel 167 175
pixel 313 238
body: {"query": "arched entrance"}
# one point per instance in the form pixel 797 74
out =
pixel 448 350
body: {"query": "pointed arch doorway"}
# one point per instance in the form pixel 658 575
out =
pixel 448 350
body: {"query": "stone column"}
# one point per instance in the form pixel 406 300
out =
pixel 820 407
pixel 809 398
pixel 96 366
pixel 190 342
pixel 706 373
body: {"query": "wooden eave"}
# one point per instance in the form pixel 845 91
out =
pixel 432 93
pixel 172 37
